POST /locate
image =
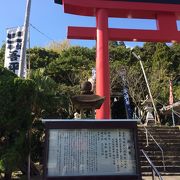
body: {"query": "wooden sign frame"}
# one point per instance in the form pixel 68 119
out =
pixel 91 124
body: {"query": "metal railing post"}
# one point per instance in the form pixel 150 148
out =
pixel 173 117
pixel 147 140
pixel 153 175
pixel 154 170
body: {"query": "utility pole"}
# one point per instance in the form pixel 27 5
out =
pixel 22 69
pixel 22 62
pixel 155 110
pixel 29 58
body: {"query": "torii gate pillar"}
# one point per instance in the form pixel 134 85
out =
pixel 102 64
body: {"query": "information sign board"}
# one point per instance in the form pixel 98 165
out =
pixel 78 152
pixel 84 151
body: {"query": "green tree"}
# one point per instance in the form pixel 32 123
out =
pixel 119 53
pixel 66 108
pixel 77 51
pixel 45 105
pixel 2 55
pixel 161 72
pixel 41 57
pixel 72 66
pixel 175 59
pixel 147 51
pixel 16 100
pixel 136 84
pixel 45 93
pixel 59 47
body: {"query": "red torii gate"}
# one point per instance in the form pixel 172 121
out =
pixel 165 13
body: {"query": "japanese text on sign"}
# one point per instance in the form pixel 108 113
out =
pixel 82 152
pixel 13 49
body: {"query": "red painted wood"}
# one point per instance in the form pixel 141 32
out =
pixel 120 9
pixel 126 34
pixel 81 33
pixel 102 64
pixel 166 22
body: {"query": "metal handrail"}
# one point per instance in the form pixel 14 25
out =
pixel 154 170
pixel 135 116
pixel 162 152
pixel 176 113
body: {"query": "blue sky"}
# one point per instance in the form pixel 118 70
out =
pixel 50 19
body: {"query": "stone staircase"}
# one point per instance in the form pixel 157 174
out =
pixel 169 140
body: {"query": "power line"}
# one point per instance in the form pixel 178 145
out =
pixel 41 32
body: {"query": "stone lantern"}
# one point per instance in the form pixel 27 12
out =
pixel 148 107
pixel 87 102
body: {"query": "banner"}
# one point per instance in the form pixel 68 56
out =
pixel 13 49
pixel 93 74
pixel 127 103
pixel 125 94
pixel 93 79
pixel 170 93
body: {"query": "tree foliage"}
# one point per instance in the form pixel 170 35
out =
pixel 16 99
pixel 56 74
pixel 2 55
pixel 59 47
pixel 41 57
pixel 66 70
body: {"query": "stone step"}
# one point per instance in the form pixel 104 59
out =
pixel 169 176
pixel 159 140
pixel 160 163
pixel 158 134
pixel 158 153
pixel 169 140
pixel 163 135
pixel 164 146
pixel 159 158
pixel 170 130
pixel 169 169
pixel 159 127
